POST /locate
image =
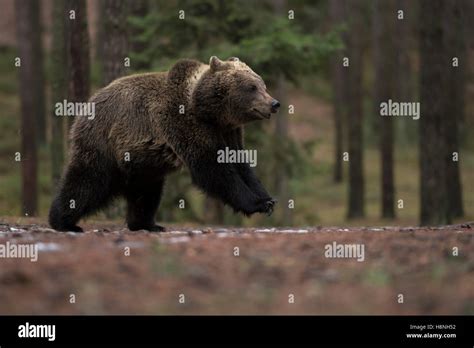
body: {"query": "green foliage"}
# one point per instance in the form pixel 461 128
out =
pixel 145 29
pixel 281 49
pixel 270 43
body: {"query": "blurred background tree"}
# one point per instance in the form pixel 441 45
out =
pixel 58 85
pixel 384 51
pixel 455 20
pixel 356 200
pixel 30 61
pixel 78 52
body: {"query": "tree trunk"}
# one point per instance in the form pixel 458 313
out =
pixel 404 84
pixel 454 26
pixel 354 120
pixel 139 8
pixel 100 38
pixel 38 79
pixel 282 181
pixel 433 89
pixel 281 133
pixel 116 40
pixel 384 51
pixel 27 49
pixel 339 82
pixel 78 53
pixel 58 86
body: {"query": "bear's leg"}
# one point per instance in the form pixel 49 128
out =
pixel 234 140
pixel 142 203
pixel 84 190
pixel 198 149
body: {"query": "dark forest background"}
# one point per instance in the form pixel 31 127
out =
pixel 330 63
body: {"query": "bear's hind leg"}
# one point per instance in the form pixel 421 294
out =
pixel 142 203
pixel 83 191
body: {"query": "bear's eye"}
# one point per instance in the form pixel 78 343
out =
pixel 253 88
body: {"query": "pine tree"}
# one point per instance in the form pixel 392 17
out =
pixel 433 88
pixel 27 49
pixel 454 25
pixel 354 121
pixel 58 86
pixel 78 52
pixel 339 84
pixel 115 48
pixel 384 88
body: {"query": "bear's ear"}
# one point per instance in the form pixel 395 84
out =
pixel 216 64
pixel 233 59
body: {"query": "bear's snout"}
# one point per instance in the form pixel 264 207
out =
pixel 275 105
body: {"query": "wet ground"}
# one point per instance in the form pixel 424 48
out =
pixel 110 270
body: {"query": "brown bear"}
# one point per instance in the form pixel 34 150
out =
pixel 148 125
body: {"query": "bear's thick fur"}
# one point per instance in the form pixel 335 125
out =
pixel 148 125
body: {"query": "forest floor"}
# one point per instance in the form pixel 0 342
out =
pixel 111 270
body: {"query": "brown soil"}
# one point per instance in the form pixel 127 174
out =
pixel 273 264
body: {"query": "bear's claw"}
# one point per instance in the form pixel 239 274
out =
pixel 266 206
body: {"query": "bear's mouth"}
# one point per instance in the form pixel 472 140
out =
pixel 262 115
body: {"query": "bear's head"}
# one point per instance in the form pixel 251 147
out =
pixel 231 94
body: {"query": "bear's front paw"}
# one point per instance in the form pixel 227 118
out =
pixel 273 201
pixel 266 206
pixel 146 227
pixel 69 228
pixel 156 228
